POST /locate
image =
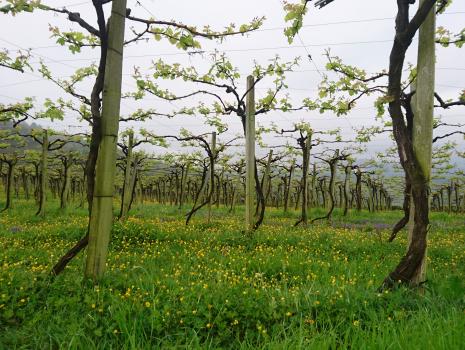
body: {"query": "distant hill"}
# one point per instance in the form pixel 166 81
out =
pixel 28 143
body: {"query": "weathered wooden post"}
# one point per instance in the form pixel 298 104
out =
pixel 266 177
pixel 101 218
pixel 184 184
pixel 64 195
pixel 287 189
pixel 250 154
pixel 348 173
pixel 313 189
pixel 212 175
pixel 127 188
pixel 305 168
pixel 423 105
pixel 43 174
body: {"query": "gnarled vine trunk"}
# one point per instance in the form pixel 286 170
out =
pixel 415 151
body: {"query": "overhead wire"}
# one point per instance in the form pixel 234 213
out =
pixel 62 62
pixel 367 20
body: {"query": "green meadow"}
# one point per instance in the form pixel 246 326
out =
pixel 211 286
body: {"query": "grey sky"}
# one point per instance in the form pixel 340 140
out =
pixel 359 31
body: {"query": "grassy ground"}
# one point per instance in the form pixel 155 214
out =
pixel 207 285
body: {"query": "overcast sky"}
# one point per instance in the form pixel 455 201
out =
pixel 359 31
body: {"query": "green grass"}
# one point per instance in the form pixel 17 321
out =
pixel 209 286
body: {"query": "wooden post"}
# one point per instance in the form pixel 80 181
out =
pixel 423 105
pixel 127 188
pixel 266 177
pixel 43 174
pixel 332 180
pixel 9 184
pixel 101 218
pixel 287 189
pixel 67 162
pixel 250 154
pixel 132 183
pixel 314 201
pixel 358 188
pixel 348 173
pixel 305 168
pixel 184 183
pixel 212 175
